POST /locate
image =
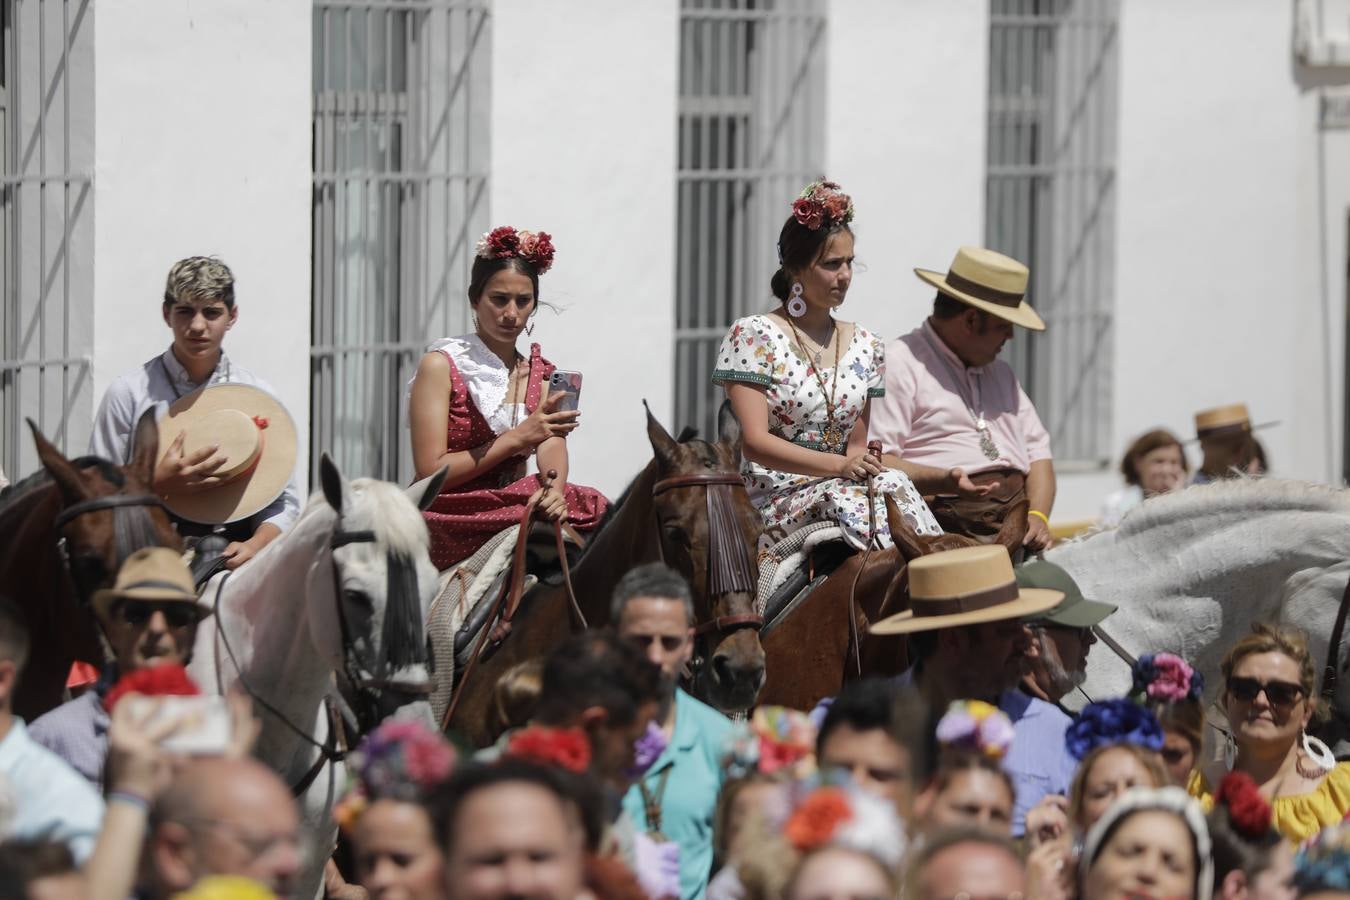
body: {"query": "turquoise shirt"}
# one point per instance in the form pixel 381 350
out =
pixel 694 760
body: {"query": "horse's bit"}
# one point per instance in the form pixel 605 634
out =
pixel 728 570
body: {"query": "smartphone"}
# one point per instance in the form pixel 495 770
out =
pixel 205 728
pixel 570 384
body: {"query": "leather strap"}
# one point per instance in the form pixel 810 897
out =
pixel 1330 676
pixel 100 503
pixel 730 623
pixel 696 480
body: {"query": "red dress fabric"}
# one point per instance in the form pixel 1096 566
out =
pixel 464 517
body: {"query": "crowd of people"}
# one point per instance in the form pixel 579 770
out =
pixel 976 773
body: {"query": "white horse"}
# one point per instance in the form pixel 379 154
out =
pixel 1192 570
pixel 344 592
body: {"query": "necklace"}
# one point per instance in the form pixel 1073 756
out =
pixel 987 445
pixel 820 348
pixel 832 436
pixel 173 385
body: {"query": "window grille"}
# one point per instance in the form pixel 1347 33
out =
pixel 752 83
pixel 1051 203
pixel 400 199
pixel 46 227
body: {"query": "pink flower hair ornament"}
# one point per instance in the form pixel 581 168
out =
pixel 398 761
pixel 1166 677
pixel 504 242
pixel 978 726
pixel 822 204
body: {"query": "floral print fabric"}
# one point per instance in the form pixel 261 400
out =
pixel 758 351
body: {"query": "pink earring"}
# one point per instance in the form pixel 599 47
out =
pixel 796 306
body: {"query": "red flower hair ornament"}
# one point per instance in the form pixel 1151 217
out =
pixel 822 203
pixel 156 681
pixel 566 748
pixel 504 242
pixel 1249 812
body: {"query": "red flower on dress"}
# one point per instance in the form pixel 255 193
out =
pixel 1249 812
pixel 566 748
pixel 156 681
pixel 815 821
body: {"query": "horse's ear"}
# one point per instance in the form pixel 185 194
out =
pixel 425 491
pixel 66 476
pixel 145 448
pixel 665 447
pixel 906 540
pixel 1014 527
pixel 729 428
pixel 334 487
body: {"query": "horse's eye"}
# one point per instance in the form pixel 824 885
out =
pixel 358 599
pixel 676 535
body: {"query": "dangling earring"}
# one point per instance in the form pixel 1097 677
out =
pixel 1229 751
pixel 1321 755
pixel 529 329
pixel 796 306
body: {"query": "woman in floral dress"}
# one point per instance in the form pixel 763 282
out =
pixel 800 382
pixel 479 406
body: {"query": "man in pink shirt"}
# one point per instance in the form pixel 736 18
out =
pixel 954 417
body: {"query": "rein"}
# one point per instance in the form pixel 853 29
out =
pixel 1330 677
pixel 728 564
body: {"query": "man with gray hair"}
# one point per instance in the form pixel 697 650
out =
pixel 674 801
pixel 199 308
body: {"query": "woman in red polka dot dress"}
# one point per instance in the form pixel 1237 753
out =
pixel 477 405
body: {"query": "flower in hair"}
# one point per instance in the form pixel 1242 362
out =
pixel 1116 721
pixel 1166 677
pixel 566 748
pixel 815 820
pixel 504 242
pixel 647 749
pixel 776 739
pixel 976 725
pixel 154 681
pixel 1323 861
pixel 822 203
pixel 844 816
pixel 398 760
pixel 1249 812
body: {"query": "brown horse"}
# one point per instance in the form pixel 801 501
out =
pixel 688 507
pixel 64 532
pixel 811 653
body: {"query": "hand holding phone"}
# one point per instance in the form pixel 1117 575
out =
pixel 203 722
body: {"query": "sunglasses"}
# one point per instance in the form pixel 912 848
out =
pixel 1278 693
pixel 138 612
pixel 1173 755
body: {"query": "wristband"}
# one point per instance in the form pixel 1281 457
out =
pixel 129 799
pixel 1040 515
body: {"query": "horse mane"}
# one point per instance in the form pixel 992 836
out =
pixel 385 512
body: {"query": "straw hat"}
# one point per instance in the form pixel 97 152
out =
pixel 256 436
pixel 151 573
pixel 965 587
pixel 989 281
pixel 1225 420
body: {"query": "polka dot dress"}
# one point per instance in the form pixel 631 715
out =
pixel 462 518
pixel 758 351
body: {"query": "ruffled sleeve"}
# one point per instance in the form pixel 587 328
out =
pixel 876 380
pixel 1299 818
pixel 746 355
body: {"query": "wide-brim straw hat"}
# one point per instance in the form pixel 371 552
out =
pixel 989 281
pixel 256 436
pixel 151 573
pixel 965 587
pixel 1222 421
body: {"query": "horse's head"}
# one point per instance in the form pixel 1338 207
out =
pixel 386 585
pixel 107 512
pixel 707 527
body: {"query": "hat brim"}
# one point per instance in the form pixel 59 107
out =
pixel 1083 614
pixel 104 599
pixel 244 496
pixel 1261 426
pixel 1030 602
pixel 1022 314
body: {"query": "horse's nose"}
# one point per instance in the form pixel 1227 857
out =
pixel 731 675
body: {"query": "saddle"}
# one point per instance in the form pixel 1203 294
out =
pixel 794 567
pixel 980 519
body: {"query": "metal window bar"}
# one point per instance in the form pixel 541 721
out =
pixel 1050 202
pixel 46 227
pixel 751 90
pixel 400 180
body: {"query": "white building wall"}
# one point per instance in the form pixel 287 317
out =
pixel 202 142
pixel 583 146
pixel 905 135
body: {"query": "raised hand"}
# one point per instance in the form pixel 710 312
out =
pixel 546 422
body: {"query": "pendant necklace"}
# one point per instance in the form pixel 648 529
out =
pixel 831 436
pixel 974 406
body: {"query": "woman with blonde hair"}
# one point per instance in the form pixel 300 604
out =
pixel 1269 695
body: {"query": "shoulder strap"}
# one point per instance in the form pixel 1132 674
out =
pixel 540 370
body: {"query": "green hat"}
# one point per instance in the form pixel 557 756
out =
pixel 1075 610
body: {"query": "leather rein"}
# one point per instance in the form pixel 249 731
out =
pixel 728 570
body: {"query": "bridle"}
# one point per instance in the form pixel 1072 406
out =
pixel 728 568
pixel 84 507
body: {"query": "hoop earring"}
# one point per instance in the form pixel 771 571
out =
pixel 1321 755
pixel 796 306
pixel 1229 751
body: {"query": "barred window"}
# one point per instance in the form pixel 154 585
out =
pixel 1051 203
pixel 752 82
pixel 46 230
pixel 400 198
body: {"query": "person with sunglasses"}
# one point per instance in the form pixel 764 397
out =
pixel 1062 637
pixel 1269 697
pixel 149 618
